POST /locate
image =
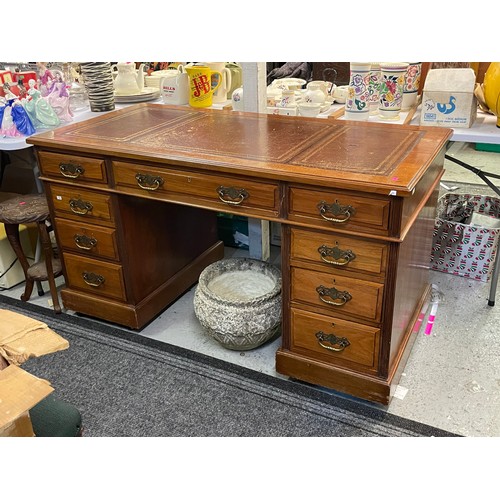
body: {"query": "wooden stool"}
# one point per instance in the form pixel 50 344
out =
pixel 25 209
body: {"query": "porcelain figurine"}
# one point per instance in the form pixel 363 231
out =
pixel 14 121
pixel 45 78
pixel 58 98
pixel 39 110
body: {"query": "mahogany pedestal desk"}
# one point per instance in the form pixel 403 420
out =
pixel 134 195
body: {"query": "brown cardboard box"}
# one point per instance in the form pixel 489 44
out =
pixel 22 338
pixel 19 392
pixel 448 99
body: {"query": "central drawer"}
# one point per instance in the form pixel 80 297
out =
pixel 337 294
pixel 198 188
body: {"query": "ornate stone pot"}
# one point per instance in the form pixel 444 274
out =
pixel 238 302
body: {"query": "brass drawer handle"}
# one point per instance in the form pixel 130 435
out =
pixel 80 207
pixel 71 170
pixel 237 195
pixel 338 298
pixel 149 182
pixel 93 279
pixel 345 211
pixel 341 342
pixel 84 242
pixel 339 257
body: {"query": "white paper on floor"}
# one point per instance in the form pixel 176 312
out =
pixel 400 392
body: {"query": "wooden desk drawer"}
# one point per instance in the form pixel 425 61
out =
pixel 87 239
pixel 79 169
pixel 337 294
pixel 78 203
pixel 340 342
pixel 93 276
pixel 219 190
pixel 339 209
pixel 337 251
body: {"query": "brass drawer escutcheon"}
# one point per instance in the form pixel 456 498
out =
pixel 85 242
pixel 339 257
pixel 149 182
pixel 344 211
pixel 237 195
pixel 80 206
pixel 341 342
pixel 93 279
pixel 338 298
pixel 71 170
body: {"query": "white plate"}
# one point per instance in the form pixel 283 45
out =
pixel 147 94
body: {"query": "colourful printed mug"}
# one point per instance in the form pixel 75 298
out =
pixel 203 82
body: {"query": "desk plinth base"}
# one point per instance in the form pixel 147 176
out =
pixel 315 372
pixel 136 316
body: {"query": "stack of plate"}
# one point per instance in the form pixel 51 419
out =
pixel 147 94
pixel 153 80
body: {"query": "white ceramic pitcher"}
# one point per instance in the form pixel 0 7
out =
pixel 174 89
pixel 220 95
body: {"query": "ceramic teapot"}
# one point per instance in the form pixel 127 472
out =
pixel 128 81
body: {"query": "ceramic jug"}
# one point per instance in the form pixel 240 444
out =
pixel 316 92
pixel 174 89
pixel 220 95
pixel 203 82
pixel 128 81
pixel 236 76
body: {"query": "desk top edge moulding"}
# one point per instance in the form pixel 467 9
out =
pixel 308 149
pixel 356 202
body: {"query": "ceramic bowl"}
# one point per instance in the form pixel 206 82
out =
pixel 310 109
pixel 289 83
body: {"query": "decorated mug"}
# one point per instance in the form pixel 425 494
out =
pixel 203 82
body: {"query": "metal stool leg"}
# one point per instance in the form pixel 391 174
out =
pixel 494 279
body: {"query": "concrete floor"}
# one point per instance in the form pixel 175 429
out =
pixel 452 378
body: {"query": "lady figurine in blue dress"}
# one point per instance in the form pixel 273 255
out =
pixel 14 120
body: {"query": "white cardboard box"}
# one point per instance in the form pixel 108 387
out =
pixel 448 98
